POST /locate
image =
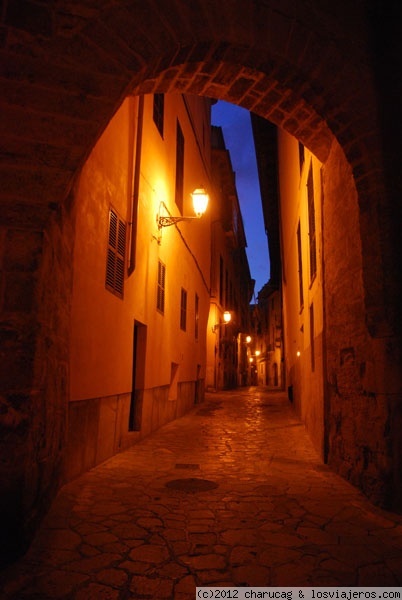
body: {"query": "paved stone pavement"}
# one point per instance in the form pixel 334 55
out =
pixel 254 507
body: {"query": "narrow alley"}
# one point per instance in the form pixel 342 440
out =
pixel 231 494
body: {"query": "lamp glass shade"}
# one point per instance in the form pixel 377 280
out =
pixel 227 316
pixel 200 201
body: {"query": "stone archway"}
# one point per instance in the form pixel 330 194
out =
pixel 65 69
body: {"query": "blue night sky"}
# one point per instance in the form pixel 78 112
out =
pixel 236 127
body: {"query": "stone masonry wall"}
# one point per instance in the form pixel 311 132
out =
pixel 34 325
pixel 98 427
pixel 362 408
pixel 21 253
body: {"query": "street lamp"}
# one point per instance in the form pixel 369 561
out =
pixel 226 319
pixel 200 203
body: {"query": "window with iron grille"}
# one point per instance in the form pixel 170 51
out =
pixel 311 225
pixel 179 168
pixel 158 111
pixel 116 254
pixel 183 310
pixel 160 298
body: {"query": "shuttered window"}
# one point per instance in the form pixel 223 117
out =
pixel 160 297
pixel 116 254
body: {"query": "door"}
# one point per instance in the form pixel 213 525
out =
pixel 137 392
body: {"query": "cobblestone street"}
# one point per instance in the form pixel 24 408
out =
pixel 231 494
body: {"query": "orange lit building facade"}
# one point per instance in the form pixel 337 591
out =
pixel 231 283
pixel 140 292
pixel 302 281
pixel 266 345
pixel 293 300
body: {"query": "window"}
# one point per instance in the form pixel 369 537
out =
pixel 179 168
pixel 196 316
pixel 299 257
pixel 301 156
pixel 312 337
pixel 183 310
pixel 158 112
pixel 160 298
pixel 116 254
pixel 235 221
pixel 311 225
pixel 221 280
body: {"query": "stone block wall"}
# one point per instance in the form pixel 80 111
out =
pixel 94 432
pixel 98 427
pixel 364 404
pixel 34 331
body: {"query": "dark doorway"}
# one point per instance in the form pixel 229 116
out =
pixel 276 378
pixel 139 350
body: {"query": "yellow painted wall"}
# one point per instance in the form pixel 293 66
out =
pixel 101 338
pixel 102 324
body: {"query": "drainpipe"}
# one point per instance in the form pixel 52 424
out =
pixel 136 187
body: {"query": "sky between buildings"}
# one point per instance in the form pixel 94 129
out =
pixel 236 127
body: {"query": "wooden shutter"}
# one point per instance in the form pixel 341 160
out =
pixel 116 254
